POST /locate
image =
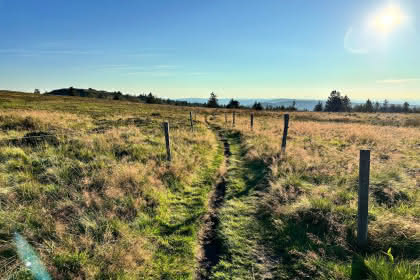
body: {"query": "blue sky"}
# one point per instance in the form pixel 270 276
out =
pixel 236 48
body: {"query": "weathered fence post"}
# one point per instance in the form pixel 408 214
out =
pixel 191 121
pixel 233 118
pixel 252 121
pixel 286 127
pixel 225 118
pixel 168 143
pixel 362 210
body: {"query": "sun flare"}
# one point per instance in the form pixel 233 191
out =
pixel 387 19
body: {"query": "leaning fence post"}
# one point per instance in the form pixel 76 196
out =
pixel 233 118
pixel 168 144
pixel 252 121
pixel 191 121
pixel 363 202
pixel 286 127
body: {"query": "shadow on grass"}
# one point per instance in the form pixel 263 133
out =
pixel 255 177
pixel 359 270
pixel 183 228
pixel 301 240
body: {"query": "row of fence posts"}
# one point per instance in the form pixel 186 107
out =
pixel 364 174
pixel 283 144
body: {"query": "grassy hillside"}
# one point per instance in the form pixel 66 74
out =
pixel 86 183
pixel 117 95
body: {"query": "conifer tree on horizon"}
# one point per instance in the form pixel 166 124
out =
pixel 319 107
pixel 337 103
pixel 233 104
pixel 212 102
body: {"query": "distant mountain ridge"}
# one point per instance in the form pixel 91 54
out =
pixel 301 104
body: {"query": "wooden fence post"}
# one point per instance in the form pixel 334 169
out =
pixel 191 121
pixel 168 143
pixel 286 127
pixel 225 118
pixel 252 121
pixel 363 202
pixel 233 118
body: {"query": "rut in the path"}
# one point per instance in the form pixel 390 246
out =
pixel 211 245
pixel 235 233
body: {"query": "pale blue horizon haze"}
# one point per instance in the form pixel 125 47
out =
pixel 235 48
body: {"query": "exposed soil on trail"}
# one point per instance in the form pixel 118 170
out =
pixel 211 245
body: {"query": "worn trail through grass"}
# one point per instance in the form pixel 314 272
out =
pixel 210 243
pixel 233 246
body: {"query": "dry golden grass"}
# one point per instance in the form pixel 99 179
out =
pixel 100 202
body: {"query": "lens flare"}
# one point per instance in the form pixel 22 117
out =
pixel 30 258
pixel 387 19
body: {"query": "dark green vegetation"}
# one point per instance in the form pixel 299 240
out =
pixel 117 95
pixel 87 184
pixel 338 103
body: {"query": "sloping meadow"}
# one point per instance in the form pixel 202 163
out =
pixel 93 194
pixel 308 210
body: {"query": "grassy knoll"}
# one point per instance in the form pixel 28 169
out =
pixel 86 183
pixel 299 221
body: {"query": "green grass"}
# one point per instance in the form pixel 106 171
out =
pixel 381 267
pixel 239 230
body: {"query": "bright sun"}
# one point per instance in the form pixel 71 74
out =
pixel 387 19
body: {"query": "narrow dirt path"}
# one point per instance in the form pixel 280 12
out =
pixel 233 244
pixel 211 245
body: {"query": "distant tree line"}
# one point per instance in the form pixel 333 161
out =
pixel 289 108
pixel 338 103
pixel 117 95
pixel 152 99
